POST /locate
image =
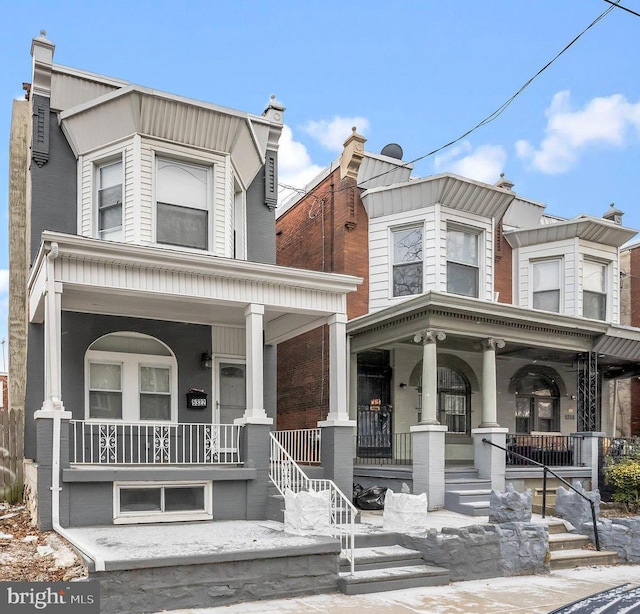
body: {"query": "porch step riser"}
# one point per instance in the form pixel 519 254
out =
pixel 467 496
pixel 568 544
pixel 371 540
pixel 467 485
pixel 582 558
pixel 399 578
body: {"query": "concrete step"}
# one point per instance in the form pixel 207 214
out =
pixel 391 579
pixel 569 559
pixel 567 541
pixel 469 502
pixel 382 557
pixel 377 539
pixel 556 526
pixel 465 484
pixel 275 507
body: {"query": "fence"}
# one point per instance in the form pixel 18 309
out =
pixel 12 455
pixel 551 450
pixel 304 445
pixel 399 453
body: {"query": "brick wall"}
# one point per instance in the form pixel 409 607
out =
pixel 503 281
pixel 327 230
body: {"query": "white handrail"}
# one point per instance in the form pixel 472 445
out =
pixel 303 445
pixel 286 474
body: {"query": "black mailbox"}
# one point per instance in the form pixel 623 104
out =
pixel 196 399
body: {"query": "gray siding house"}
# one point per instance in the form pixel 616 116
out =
pixel 153 303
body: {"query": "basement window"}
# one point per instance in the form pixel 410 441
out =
pixel 140 502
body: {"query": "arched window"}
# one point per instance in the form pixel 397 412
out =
pixel 130 377
pixel 454 400
pixel 537 403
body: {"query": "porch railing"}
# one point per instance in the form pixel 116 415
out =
pixel 553 450
pixel 286 474
pixel 399 452
pixel 303 445
pixel 135 443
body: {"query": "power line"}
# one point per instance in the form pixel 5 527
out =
pixel 624 8
pixel 495 114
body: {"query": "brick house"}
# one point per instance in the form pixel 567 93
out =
pixel 481 317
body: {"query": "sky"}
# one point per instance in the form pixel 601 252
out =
pixel 416 73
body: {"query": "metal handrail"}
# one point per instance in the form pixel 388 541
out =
pixel 545 470
pixel 285 474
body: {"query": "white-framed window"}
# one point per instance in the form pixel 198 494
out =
pixel 463 261
pixel 130 377
pixel 109 200
pixel 594 290
pixel 182 191
pixel 546 278
pixel 139 502
pixel 407 261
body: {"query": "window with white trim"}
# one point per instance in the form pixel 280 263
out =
pixel 407 261
pixel 463 261
pixel 130 377
pixel 109 200
pixel 545 284
pixel 594 290
pixel 152 502
pixel 182 203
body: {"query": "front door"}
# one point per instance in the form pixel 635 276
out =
pixel 232 391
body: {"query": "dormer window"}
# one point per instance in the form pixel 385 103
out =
pixel 546 285
pixel 594 290
pixel 463 261
pixel 109 180
pixel 182 203
pixel 407 261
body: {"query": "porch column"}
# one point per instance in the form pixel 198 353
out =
pixel 337 429
pixel 589 454
pixel 489 382
pixel 255 412
pixel 429 374
pixel 52 327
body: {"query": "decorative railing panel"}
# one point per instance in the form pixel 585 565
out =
pixel 128 443
pixel 303 445
pixel 552 450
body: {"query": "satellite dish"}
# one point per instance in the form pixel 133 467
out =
pixel 392 150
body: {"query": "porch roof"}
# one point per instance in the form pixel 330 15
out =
pixel 168 284
pixel 528 333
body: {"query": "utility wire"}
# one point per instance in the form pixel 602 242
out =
pixel 492 116
pixel 624 8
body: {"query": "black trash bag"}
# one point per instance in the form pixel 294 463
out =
pixel 369 498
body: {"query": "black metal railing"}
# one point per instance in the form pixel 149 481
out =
pixel 545 471
pixel 611 451
pixel 368 452
pixel 553 450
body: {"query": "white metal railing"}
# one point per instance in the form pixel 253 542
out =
pixel 142 443
pixel 303 445
pixel 287 475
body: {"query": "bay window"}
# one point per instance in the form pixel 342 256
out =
pixel 182 203
pixel 407 261
pixel 594 290
pixel 546 276
pixel 109 183
pixel 463 261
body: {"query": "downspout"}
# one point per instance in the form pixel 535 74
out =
pixel 56 407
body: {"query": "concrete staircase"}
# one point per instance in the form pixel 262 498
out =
pixel 383 565
pixel 567 550
pixel 465 492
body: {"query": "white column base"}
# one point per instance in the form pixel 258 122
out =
pixel 428 463
pixel 489 460
pixel 337 422
pixel 253 420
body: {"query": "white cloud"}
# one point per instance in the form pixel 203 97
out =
pixel 295 167
pixel 484 163
pixel 332 133
pixel 569 132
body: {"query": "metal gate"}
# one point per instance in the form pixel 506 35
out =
pixel 374 431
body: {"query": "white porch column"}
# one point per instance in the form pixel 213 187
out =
pixel 429 374
pixel 52 345
pixel 489 382
pixel 255 412
pixel 338 409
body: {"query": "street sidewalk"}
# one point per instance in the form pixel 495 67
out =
pixel 519 595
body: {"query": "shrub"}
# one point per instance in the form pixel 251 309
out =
pixel 625 479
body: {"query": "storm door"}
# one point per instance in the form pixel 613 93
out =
pixel 232 392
